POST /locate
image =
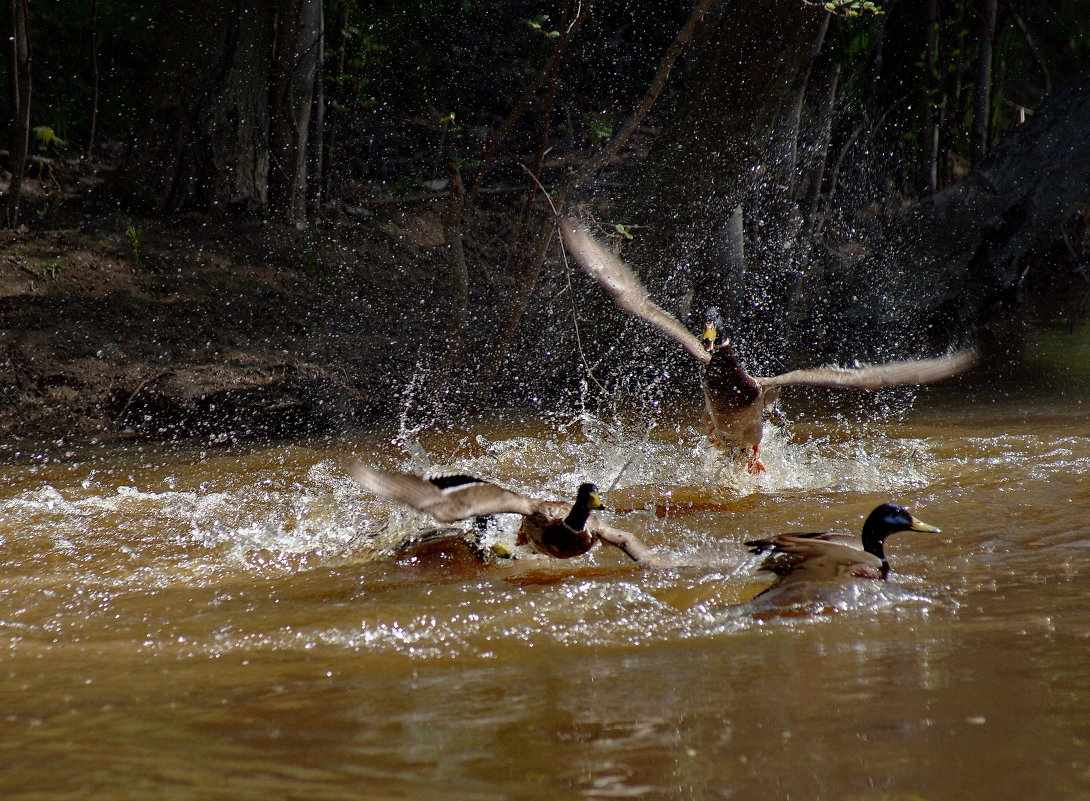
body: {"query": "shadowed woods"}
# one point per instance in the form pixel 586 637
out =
pixel 373 239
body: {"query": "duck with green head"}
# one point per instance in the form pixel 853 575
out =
pixel 554 528
pixel 831 556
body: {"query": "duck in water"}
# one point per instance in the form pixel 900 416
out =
pixel 832 556
pixel 554 528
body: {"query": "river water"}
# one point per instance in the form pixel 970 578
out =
pixel 202 623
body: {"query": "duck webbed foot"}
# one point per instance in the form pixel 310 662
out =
pixel 754 465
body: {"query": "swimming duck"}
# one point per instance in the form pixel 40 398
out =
pixel 829 556
pixel 734 400
pixel 554 528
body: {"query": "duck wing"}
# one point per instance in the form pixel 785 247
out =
pixel 625 287
pixel 551 511
pixel 474 498
pixel 915 371
pixel 838 537
pixel 632 545
pixel 820 557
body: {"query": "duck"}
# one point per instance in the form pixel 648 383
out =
pixel 735 401
pixel 832 556
pixel 553 528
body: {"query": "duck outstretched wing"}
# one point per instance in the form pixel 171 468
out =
pixel 470 498
pixel 913 371
pixel 632 545
pixel 628 292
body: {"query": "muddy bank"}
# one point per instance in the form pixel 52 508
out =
pixel 115 325
pixel 235 330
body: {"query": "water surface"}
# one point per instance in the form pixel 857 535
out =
pixel 201 623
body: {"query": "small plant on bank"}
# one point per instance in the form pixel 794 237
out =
pixel 132 233
pixel 51 270
pixel 538 24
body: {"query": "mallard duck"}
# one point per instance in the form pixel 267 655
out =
pixel 553 528
pixel 734 400
pixel 829 556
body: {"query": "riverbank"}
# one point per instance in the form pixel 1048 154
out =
pixel 113 325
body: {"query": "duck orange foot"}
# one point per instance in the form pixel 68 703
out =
pixel 754 465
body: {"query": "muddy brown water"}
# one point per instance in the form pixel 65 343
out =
pixel 188 623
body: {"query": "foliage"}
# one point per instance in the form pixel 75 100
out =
pixel 601 127
pixel 359 54
pixel 132 234
pixel 417 80
pixel 888 88
pixel 46 138
pixel 62 71
pixel 849 8
pixel 538 24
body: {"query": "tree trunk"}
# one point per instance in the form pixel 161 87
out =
pixel 296 53
pixel 316 153
pixel 333 91
pixel 20 107
pixel 825 93
pixel 229 108
pixel 774 258
pixel 96 79
pixel 983 93
pixel 734 129
pixel 934 109
pixel 955 262
pixel 440 386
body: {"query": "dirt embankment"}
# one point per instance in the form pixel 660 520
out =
pixel 113 325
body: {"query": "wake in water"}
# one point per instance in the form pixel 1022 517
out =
pixel 289 516
pixel 787 604
pixel 661 461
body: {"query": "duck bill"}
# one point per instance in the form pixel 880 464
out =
pixel 595 501
pixel 919 525
pixel 708 337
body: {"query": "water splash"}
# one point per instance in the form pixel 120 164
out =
pixel 286 523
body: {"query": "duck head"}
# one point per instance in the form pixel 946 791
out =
pixel 712 344
pixel 587 496
pixel 887 519
pixel 587 500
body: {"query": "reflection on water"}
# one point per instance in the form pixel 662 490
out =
pixel 232 623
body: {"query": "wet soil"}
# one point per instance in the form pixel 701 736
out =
pixel 236 328
pixel 114 325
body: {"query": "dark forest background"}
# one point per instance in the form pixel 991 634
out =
pixel 840 181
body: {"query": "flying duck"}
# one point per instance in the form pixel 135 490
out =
pixel 733 399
